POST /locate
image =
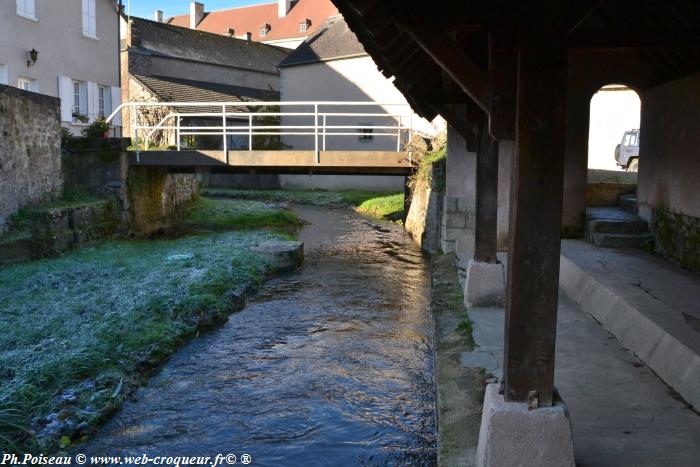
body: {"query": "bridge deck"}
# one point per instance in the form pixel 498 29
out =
pixel 348 162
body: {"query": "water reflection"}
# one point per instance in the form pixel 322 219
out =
pixel 329 366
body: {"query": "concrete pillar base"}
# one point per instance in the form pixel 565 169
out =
pixel 513 435
pixel 485 285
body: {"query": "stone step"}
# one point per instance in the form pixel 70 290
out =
pixel 620 240
pixel 17 247
pixel 614 226
pixel 628 203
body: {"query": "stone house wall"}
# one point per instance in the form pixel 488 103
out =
pixel 459 204
pixel 668 168
pixel 30 150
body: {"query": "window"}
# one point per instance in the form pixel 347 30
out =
pixel 79 110
pixel 303 26
pixel 634 141
pixel 27 84
pixel 264 30
pixel 630 139
pixel 3 74
pixel 89 19
pixel 104 101
pixel 26 8
pixel 366 134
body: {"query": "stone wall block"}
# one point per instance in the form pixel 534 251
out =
pixel 30 150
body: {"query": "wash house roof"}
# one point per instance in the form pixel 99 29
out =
pixel 639 43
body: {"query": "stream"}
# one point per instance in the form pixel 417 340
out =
pixel 331 365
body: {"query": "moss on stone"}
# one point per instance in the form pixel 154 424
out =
pixel 577 230
pixel 677 236
pixel 432 170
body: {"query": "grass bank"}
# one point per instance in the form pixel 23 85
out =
pixel 82 331
pixel 376 204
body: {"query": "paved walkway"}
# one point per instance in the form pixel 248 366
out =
pixel 622 414
pixel 651 305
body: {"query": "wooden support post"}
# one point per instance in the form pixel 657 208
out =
pixel 578 110
pixel 485 234
pixel 503 67
pixel 536 205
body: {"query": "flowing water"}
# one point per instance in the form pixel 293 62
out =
pixel 331 365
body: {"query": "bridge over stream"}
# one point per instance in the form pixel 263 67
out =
pixel 342 138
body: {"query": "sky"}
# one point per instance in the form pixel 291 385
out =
pixel 145 8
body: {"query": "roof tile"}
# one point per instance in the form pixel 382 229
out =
pixel 252 18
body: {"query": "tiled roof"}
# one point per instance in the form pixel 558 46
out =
pixel 184 43
pixel 252 18
pixel 332 40
pixel 169 89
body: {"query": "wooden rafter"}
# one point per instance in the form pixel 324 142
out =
pixel 445 52
pixel 579 11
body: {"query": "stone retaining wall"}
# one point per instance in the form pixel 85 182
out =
pixel 149 199
pixel 156 199
pixel 677 236
pixel 51 231
pixel 30 150
pixel 424 217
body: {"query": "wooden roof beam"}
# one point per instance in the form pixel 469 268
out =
pixel 443 50
pixel 634 39
pixel 579 11
pixel 458 117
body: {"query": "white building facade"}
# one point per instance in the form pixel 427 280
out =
pixel 67 49
pixel 331 65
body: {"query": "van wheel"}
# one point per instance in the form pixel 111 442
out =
pixel 633 165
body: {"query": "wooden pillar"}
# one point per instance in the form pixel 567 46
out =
pixel 578 110
pixel 485 234
pixel 536 206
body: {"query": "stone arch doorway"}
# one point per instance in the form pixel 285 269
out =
pixel 615 111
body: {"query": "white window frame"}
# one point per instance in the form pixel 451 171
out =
pixel 304 26
pixel 26 9
pixel 27 84
pixel 89 15
pixel 263 31
pixel 80 101
pixel 4 74
pixel 104 101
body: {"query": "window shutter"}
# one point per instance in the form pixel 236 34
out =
pixel 116 102
pixel 65 93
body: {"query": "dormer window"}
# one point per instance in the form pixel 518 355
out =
pixel 230 32
pixel 264 29
pixel 304 25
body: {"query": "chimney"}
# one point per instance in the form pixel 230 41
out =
pixel 283 7
pixel 196 14
pixel 158 16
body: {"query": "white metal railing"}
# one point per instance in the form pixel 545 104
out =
pixel 317 121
